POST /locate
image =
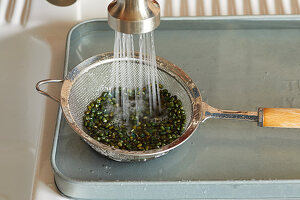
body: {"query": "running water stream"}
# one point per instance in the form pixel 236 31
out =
pixel 135 76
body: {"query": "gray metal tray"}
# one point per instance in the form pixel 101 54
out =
pixel 238 63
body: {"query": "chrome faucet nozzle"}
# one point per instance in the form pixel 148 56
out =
pixel 134 16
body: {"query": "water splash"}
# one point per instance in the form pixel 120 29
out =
pixel 131 79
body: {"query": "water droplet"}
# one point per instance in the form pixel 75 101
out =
pixel 266 74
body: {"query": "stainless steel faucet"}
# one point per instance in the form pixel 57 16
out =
pixel 134 16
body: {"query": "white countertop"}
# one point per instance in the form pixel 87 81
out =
pixel 36 51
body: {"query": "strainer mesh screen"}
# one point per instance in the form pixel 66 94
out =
pixel 97 79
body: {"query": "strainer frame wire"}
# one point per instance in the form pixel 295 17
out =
pixel 162 64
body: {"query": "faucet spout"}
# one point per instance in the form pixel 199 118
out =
pixel 134 16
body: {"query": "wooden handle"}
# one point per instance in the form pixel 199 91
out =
pixel 281 117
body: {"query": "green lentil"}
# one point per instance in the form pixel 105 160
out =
pixel 143 132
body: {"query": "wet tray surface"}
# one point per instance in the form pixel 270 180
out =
pixel 238 63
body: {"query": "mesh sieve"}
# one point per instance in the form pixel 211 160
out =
pixel 88 80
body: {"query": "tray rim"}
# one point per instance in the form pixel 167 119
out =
pixel 277 182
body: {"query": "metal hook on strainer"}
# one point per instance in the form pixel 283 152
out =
pixel 91 77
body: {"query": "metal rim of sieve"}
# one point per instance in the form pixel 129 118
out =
pixel 124 155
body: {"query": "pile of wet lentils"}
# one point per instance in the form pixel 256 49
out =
pixel 140 133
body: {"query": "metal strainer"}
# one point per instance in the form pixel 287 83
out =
pixel 93 76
